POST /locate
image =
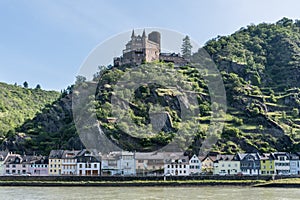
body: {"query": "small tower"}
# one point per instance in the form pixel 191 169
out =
pixel 132 35
pixel 144 34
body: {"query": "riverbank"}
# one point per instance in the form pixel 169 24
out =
pixel 73 181
pixel 283 183
pixel 169 183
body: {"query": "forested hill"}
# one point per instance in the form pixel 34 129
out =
pixel 260 66
pixel 19 104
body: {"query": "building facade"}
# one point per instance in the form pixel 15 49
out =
pixel 55 162
pixel 250 163
pixel 227 165
pixel 267 164
pixel 282 163
pixel 207 163
pixel 39 166
pixel 140 49
pixel 3 156
pixel 194 165
pixel 177 166
pixel 16 164
pixel 118 163
pixel 150 163
pixel 294 164
pixel 88 164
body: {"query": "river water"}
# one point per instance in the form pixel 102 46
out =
pixel 134 193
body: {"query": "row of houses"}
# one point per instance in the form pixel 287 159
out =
pixel 91 163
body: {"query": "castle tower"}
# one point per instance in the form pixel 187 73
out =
pixel 132 35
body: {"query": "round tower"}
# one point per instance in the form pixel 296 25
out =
pixel 155 37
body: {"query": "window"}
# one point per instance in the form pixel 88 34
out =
pixel 80 165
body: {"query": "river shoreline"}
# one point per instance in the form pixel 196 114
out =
pixel 148 181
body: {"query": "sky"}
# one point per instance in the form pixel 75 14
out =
pixel 46 41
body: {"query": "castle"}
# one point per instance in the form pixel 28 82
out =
pixel 146 49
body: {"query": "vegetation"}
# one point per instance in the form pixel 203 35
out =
pixel 260 67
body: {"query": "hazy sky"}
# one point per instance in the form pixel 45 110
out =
pixel 46 41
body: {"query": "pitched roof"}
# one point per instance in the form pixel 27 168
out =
pixel 3 155
pixel 56 154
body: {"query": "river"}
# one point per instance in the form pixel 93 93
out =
pixel 134 193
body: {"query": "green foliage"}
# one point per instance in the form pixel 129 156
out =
pixel 186 48
pixel 19 104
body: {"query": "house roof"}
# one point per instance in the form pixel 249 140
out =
pixel 224 158
pixel 212 158
pixel 3 155
pixel 248 156
pixel 277 154
pixel 56 154
pixel 267 156
pixel 13 159
pixel 70 154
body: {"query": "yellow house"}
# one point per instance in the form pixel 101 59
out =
pixel 55 162
pixel 227 165
pixel 207 163
pixel 267 164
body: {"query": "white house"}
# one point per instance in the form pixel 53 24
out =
pixel 88 164
pixel 39 166
pixel 177 166
pixel 195 165
pixel 69 162
pixel 294 164
pixel 3 156
pixel 282 163
pixel 16 164
pixel 227 165
pixel 118 163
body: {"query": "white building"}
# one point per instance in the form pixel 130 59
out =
pixel 16 164
pixel 118 163
pixel 282 163
pixel 3 156
pixel 69 162
pixel 88 164
pixel 195 165
pixel 177 166
pixel 294 164
pixel 39 166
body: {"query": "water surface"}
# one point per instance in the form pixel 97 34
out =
pixel 134 193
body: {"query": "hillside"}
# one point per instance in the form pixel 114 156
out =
pixel 18 105
pixel 260 67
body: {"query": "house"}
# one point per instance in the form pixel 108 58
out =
pixel 282 163
pixel 38 166
pixel 177 165
pixel 88 164
pixel 250 163
pixel 150 163
pixel 267 164
pixel 69 162
pixel 3 156
pixel 295 164
pixel 118 163
pixel 55 162
pixel 16 164
pixel 207 163
pixel 195 165
pixel 227 165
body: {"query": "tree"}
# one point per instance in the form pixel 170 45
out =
pixel 80 79
pixel 38 87
pixel 25 84
pixel 186 48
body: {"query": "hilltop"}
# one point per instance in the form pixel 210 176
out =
pixel 261 71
